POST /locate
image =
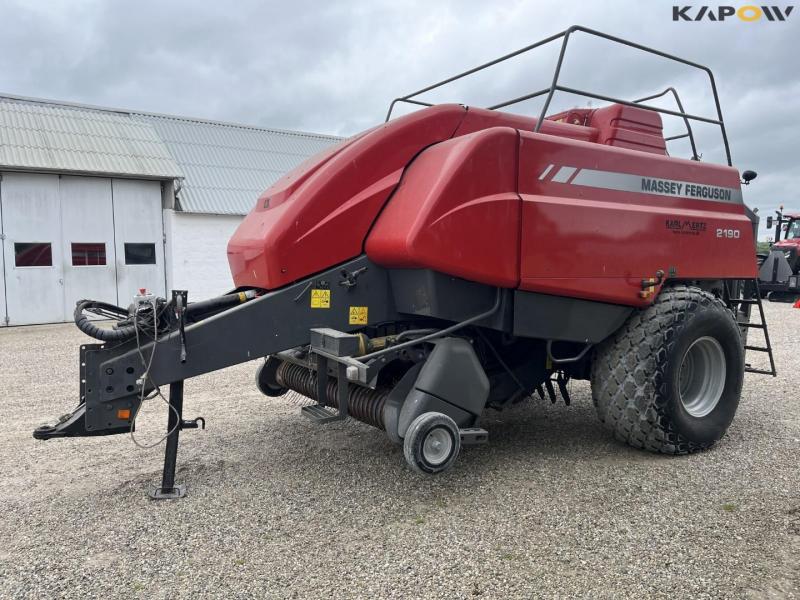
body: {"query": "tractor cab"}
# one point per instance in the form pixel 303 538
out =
pixel 779 271
pixel 787 232
pixel 787 236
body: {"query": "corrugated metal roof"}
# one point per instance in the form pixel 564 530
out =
pixel 51 137
pixel 227 166
pixel 224 166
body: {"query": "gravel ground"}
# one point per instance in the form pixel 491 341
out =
pixel 279 507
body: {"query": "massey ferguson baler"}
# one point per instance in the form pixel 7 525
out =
pixel 458 259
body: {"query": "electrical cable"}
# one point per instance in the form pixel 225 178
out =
pixel 145 377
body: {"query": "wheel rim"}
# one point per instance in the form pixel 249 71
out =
pixel 437 446
pixel 702 376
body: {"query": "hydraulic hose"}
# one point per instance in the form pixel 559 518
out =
pixel 197 311
pixel 83 323
pixel 147 321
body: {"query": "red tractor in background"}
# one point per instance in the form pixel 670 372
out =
pixel 779 269
pixel 459 259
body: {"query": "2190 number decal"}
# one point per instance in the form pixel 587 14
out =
pixel 731 234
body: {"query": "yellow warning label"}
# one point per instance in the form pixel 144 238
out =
pixel 320 298
pixel 359 315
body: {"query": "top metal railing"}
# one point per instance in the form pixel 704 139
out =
pixel 548 92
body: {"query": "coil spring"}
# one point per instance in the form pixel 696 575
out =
pixel 364 404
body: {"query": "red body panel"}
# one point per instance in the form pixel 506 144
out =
pixel 478 119
pixel 456 211
pixel 599 243
pixel 629 127
pixel 319 214
pixel 565 211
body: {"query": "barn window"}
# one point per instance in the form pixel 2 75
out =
pixel 140 254
pixel 33 254
pixel 88 254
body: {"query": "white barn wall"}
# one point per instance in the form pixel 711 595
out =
pixel 122 193
pixel 197 258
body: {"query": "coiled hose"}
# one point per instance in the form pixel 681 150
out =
pixel 118 334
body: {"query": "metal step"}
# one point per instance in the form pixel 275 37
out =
pixel 758 371
pixel 321 414
pixel 755 299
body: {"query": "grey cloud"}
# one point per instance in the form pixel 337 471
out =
pixel 333 67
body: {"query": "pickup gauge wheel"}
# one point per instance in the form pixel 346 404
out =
pixel 432 443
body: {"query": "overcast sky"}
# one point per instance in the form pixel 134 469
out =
pixel 333 67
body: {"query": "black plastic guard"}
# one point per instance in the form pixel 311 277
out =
pixel 451 381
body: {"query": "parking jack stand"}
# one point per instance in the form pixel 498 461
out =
pixel 168 487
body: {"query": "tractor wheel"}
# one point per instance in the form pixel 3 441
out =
pixel 266 382
pixel 432 443
pixel 670 379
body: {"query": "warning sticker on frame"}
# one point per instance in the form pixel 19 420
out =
pixel 359 315
pixel 320 298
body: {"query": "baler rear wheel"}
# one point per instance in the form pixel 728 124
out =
pixel 266 381
pixel 670 379
pixel 432 443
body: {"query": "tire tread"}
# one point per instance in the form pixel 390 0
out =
pixel 629 387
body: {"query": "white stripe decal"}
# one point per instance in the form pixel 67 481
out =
pixel 626 182
pixel 563 174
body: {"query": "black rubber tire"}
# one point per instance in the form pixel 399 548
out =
pixel 635 373
pixel 266 382
pixel 418 432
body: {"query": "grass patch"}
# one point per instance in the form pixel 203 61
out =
pixel 729 507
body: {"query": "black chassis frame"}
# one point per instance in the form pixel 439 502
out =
pixel 111 376
pixel 450 378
